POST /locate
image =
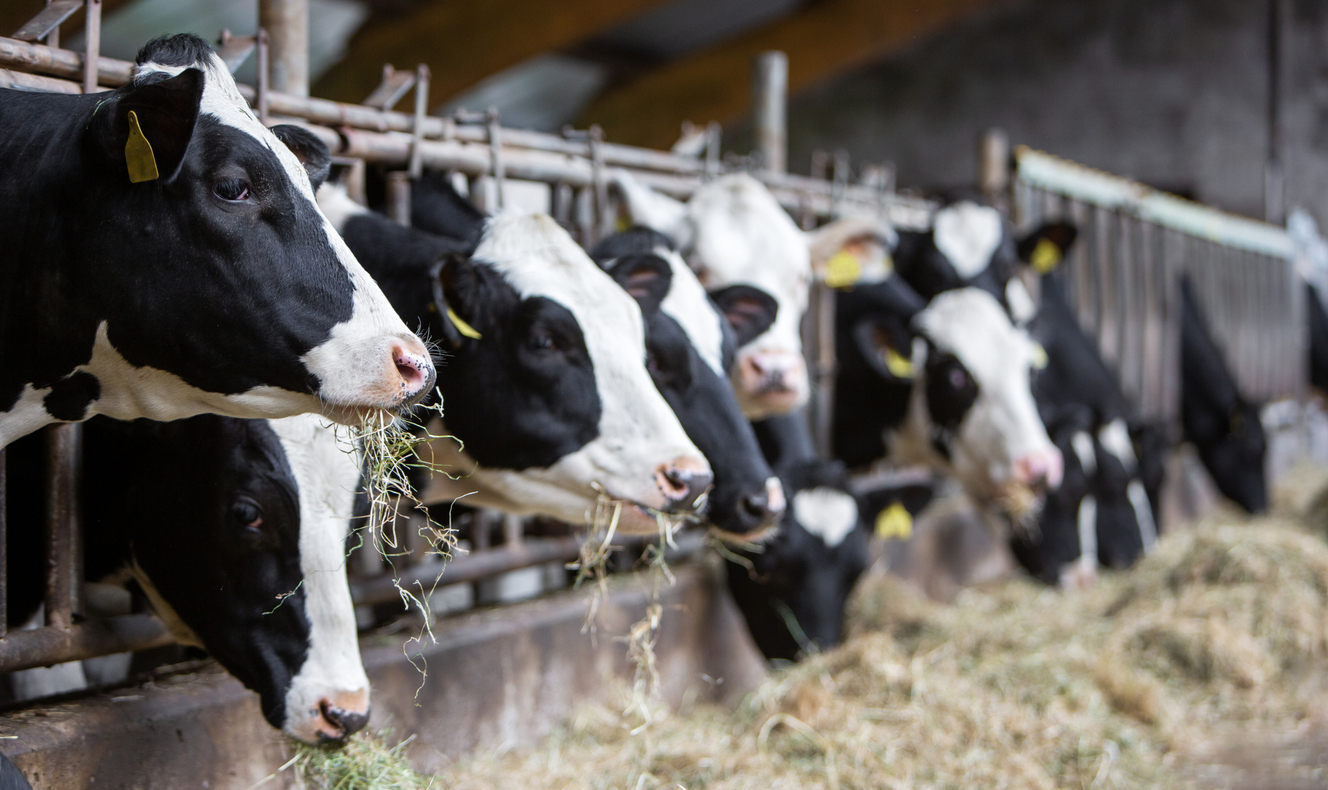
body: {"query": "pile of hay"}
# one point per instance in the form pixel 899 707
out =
pixel 1204 666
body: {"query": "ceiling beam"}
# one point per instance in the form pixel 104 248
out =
pixel 823 41
pixel 464 41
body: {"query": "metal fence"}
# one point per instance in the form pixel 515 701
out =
pixel 1123 279
pixel 573 171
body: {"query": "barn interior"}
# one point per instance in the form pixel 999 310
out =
pixel 1184 143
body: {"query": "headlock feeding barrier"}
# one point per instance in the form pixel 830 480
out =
pixel 1124 273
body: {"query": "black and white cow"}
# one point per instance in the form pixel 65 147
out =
pixel 235 530
pixel 733 232
pixel 545 384
pixel 166 257
pixel 690 346
pixel 1224 428
pixel 944 383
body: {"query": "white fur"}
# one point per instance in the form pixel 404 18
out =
pixel 1003 424
pixel 968 235
pixel 1143 513
pixel 827 513
pixel 638 433
pixel 355 365
pixel 1022 306
pixel 337 205
pixel 1083 448
pixel 1115 439
pixel 327 475
pixel 688 304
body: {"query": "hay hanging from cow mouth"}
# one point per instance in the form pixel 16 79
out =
pixel 366 762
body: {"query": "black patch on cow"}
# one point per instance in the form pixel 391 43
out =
pixel 183 49
pixel 646 277
pixel 435 206
pixel 1318 320
pixel 69 397
pixel 208 509
pixel 749 310
pixel 309 148
pixel 225 295
pixel 636 239
pixel 950 390
pixel 1045 548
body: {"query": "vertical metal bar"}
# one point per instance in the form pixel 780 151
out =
pixel 4 559
pixel 398 197
pixel 823 366
pixel 496 153
pixel 92 56
pixel 287 23
pixel 1274 178
pixel 264 74
pixel 1108 342
pixel 713 133
pixel 64 555
pixel 994 168
pixel 53 38
pixel 769 95
pixel 603 224
pixel 422 77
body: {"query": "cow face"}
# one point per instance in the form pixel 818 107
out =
pixel 548 388
pixel 967 244
pixel 1061 548
pixel 688 343
pixel 213 284
pixel 733 232
pixel 235 529
pixel 795 591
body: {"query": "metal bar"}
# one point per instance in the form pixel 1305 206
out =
pixel 398 197
pixel 235 50
pixel 496 159
pixel 769 96
pixel 4 559
pixel 46 646
pixel 994 168
pixel 825 367
pixel 60 62
pixel 395 85
pixel 603 222
pixel 92 56
pixel 47 23
pixel 263 98
pixel 287 24
pixel 422 78
pixel 18 80
pixel 64 555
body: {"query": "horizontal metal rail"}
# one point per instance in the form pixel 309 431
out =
pixel 41 647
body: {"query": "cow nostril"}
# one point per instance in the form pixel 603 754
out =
pixel 348 722
pixel 682 487
pixel 757 507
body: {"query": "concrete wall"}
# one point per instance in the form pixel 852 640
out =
pixel 1169 92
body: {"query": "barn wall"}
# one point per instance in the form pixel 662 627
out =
pixel 1168 92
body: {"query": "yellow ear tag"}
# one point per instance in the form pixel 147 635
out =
pixel 1039 356
pixel 898 365
pixel 842 270
pixel 138 154
pixel 465 329
pixel 894 522
pixel 1045 256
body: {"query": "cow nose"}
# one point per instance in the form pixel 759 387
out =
pixel 1039 469
pixel 682 481
pixel 342 718
pixel 415 369
pixel 770 371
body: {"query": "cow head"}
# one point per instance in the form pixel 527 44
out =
pixel 689 346
pixel 236 531
pixel 203 277
pixel 547 386
pixel 733 232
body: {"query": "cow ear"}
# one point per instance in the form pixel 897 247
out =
pixel 646 277
pixel 852 249
pixel 1044 248
pixel 653 210
pixel 146 126
pixel 886 346
pixel 750 311
pixel 456 298
pixel 309 149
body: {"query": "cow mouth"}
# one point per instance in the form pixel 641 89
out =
pixel 1022 503
pixel 746 539
pixel 635 518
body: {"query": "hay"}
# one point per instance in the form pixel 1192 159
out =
pixel 367 762
pixel 1151 679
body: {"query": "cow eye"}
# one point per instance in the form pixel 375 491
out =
pixel 247 513
pixel 958 378
pixel 233 190
pixel 542 340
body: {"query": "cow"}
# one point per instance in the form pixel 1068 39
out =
pixel 793 589
pixel 944 383
pixel 1223 426
pixel 546 387
pixel 733 232
pixel 235 530
pixel 690 347
pixel 166 257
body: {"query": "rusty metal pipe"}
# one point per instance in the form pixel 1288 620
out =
pixel 64 552
pixel 46 646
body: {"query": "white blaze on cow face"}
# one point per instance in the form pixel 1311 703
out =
pixel 1115 439
pixel 372 360
pixel 329 696
pixel 688 304
pixel 1000 444
pixel 968 235
pixel 639 436
pixel 734 232
pixel 827 513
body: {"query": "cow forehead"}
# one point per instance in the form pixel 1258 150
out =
pixel 222 99
pixel 688 304
pixel 968 235
pixel 970 324
pixel 742 234
pixel 537 258
pixel 827 513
